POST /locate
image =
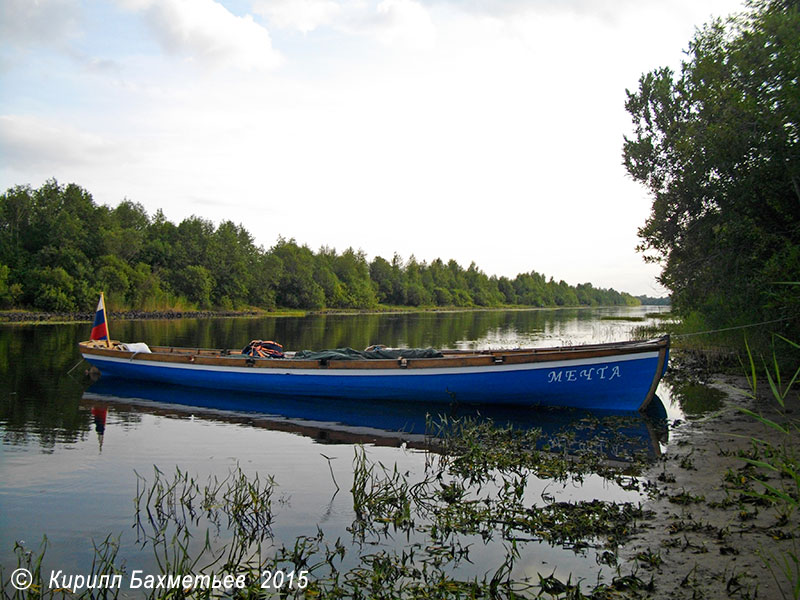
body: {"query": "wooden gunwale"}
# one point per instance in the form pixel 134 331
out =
pixel 451 358
pixel 651 393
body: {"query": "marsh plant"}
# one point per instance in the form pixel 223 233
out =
pixel 775 464
pixel 413 535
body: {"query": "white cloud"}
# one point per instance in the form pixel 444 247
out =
pixel 402 23
pixel 299 15
pixel 205 31
pixel 28 22
pixel 34 142
pixel 498 143
pixel 611 12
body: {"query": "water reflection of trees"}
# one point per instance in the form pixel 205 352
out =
pixel 39 396
pixel 437 329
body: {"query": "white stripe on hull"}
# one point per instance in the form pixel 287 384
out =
pixel 496 368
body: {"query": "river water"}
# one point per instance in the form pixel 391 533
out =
pixel 74 455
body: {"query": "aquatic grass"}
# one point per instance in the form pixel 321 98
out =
pixel 664 316
pixel 26 559
pixel 74 587
pixel 180 502
pixel 478 450
pixel 444 508
pixel 777 465
pixel 474 488
pixel 623 318
pixel 382 497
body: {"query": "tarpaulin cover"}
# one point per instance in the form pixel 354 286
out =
pixel 353 354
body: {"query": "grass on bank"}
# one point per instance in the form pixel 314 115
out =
pixel 776 465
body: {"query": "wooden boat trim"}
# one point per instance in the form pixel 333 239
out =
pixel 348 368
pixel 451 359
pixel 662 358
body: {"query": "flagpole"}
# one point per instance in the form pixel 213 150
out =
pixel 105 316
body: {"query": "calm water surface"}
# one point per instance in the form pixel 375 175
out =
pixel 71 451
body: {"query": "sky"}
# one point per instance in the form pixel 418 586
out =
pixel 478 130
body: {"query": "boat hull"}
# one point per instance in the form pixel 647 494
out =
pixel 626 382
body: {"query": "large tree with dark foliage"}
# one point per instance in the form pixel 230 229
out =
pixel 718 147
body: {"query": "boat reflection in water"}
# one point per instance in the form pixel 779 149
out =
pixel 618 435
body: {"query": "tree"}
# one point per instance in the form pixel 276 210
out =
pixel 296 287
pixel 126 234
pixel 352 270
pixel 718 148
pixel 380 272
pixel 9 292
pixel 194 283
pixel 229 254
pixel 58 249
pixel 335 291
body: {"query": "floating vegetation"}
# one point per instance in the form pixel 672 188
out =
pixel 660 315
pixel 622 318
pixel 475 488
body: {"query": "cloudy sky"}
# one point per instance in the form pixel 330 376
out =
pixel 480 130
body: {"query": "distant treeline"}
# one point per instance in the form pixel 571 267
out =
pixel 650 301
pixel 58 249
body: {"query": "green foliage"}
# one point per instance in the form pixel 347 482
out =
pixel 297 287
pixel 195 283
pixel 59 250
pixel 718 147
pixel 8 292
pixel 54 289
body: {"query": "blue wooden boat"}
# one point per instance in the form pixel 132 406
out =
pixel 619 376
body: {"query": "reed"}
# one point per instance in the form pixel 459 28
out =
pixel 85 586
pixel 474 488
pixel 775 464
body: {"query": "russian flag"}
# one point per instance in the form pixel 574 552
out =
pixel 99 328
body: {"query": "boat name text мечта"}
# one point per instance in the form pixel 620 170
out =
pixel 575 374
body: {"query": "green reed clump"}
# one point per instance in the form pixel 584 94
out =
pixel 179 502
pixel 166 501
pixel 476 450
pixel 89 585
pixel 382 497
pixel 582 524
pixel 777 464
pixel 622 318
pixel 473 448
pixel 169 509
pixel 474 489
pixel 445 507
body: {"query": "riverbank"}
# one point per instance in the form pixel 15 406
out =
pixel 84 317
pixel 711 536
pixel 23 316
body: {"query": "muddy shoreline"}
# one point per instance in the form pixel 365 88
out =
pixel 708 538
